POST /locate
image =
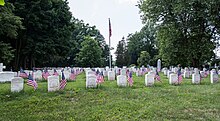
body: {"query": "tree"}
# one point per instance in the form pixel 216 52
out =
pixel 9 26
pixel 121 54
pixel 144 58
pixel 187 30
pixel 90 54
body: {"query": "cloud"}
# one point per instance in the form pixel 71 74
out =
pixel 126 1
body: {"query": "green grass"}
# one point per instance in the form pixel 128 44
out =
pixel 111 103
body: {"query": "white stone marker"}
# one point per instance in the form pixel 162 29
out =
pixel 111 75
pixel 123 72
pixel 2 67
pixel 149 79
pixel 186 74
pixel 165 72
pixel 17 84
pixel 214 77
pixel 37 75
pixel 196 79
pixel 159 65
pixel 6 76
pixel 91 81
pixel 173 79
pixel 53 83
pixel 121 81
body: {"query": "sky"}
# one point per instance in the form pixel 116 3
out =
pixel 124 15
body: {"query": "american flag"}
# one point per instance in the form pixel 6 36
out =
pixel 157 76
pixel 32 82
pixel 63 82
pixel 45 74
pixel 130 80
pixel 206 73
pixel 180 78
pixel 23 74
pixel 72 75
pixel 100 78
pixel 55 73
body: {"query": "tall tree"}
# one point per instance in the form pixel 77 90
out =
pixel 187 30
pixel 121 54
pixel 9 27
pixel 90 54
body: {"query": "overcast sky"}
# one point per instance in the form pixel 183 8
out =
pixel 124 16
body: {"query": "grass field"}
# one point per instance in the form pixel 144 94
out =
pixel 111 103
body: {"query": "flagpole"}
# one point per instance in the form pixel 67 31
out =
pixel 110 33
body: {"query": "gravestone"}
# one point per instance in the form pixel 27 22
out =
pixel 123 72
pixel 173 78
pixel 67 74
pixel 168 74
pixel 138 72
pixel 17 84
pixel 91 81
pixel 202 74
pixel 105 73
pixel 196 79
pixel 53 83
pixel 111 75
pixel 165 72
pixel 50 72
pixel 2 67
pixel 121 81
pixel 149 79
pixel 186 74
pixel 37 75
pixel 158 65
pixel 213 77
pixel 6 76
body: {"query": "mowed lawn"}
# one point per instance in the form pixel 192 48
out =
pixel 111 103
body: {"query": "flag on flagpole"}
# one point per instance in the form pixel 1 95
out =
pixel 22 73
pixel 32 82
pixel 130 80
pixel 63 82
pixel 180 78
pixel 72 75
pixel 110 28
pixel 100 78
pixel 45 74
pixel 157 76
pixel 55 73
pixel 2 2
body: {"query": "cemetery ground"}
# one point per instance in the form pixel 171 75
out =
pixel 109 102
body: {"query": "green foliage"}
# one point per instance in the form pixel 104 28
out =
pixel 187 31
pixel 9 26
pixel 90 54
pixel 143 41
pixel 122 57
pixel 111 103
pixel 144 59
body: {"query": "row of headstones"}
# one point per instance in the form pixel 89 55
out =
pixel 37 75
pixel 196 75
pixel 17 84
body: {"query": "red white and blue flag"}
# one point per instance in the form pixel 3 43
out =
pixel 55 73
pixel 180 78
pixel 100 78
pixel 45 74
pixel 23 74
pixel 72 75
pixel 32 82
pixel 63 82
pixel 157 76
pixel 130 80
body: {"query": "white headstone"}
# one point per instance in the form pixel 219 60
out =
pixel 37 75
pixel 158 64
pixel 2 67
pixel 168 74
pixel 17 84
pixel 165 72
pixel 173 78
pixel 186 74
pixel 149 79
pixel 91 81
pixel 6 76
pixel 196 78
pixel 67 74
pixel 123 72
pixel 53 83
pixel 213 77
pixel 111 75
pixel 121 81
